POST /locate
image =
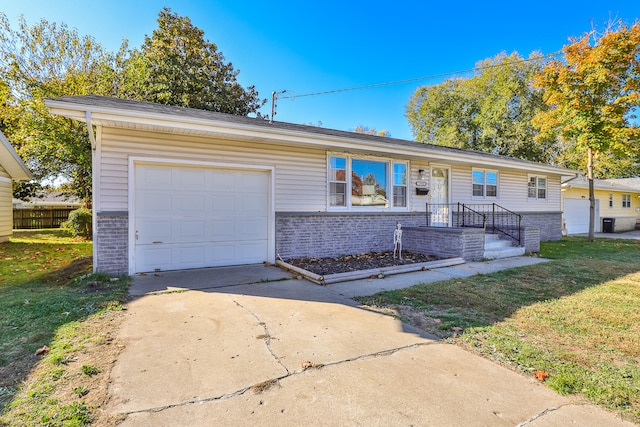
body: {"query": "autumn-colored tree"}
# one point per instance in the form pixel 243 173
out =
pixel 592 93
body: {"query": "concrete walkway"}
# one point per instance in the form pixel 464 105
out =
pixel 290 353
pixel 633 235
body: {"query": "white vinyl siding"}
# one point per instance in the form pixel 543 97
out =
pixel 6 206
pixel 300 173
pixel 512 192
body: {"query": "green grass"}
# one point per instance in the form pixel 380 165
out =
pixel 46 294
pixel 577 317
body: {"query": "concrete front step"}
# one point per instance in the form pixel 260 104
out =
pixel 503 253
pixel 496 248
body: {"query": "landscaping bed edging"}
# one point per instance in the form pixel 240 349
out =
pixel 328 279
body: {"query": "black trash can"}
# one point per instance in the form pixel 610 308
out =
pixel 608 225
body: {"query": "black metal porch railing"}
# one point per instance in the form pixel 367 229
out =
pixel 490 217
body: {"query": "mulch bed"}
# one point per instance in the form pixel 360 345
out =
pixel 345 263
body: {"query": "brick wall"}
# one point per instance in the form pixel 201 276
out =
pixel 549 223
pixel 467 243
pixel 531 239
pixel 325 234
pixel 112 243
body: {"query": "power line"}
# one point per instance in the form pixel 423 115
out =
pixel 415 79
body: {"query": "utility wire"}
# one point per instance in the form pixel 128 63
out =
pixel 415 79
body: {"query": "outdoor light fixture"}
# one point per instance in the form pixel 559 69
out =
pixel 422 173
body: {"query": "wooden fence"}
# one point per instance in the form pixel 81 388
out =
pixel 40 218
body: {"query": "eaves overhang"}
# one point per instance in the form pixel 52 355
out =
pixel 110 112
pixel 12 163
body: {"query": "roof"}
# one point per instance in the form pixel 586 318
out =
pixel 11 162
pixel 628 185
pixel 128 114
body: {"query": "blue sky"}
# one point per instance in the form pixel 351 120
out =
pixel 308 47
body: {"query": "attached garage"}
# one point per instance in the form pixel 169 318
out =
pixel 576 216
pixel 194 216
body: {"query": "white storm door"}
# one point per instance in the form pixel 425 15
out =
pixel 439 196
pixel 194 217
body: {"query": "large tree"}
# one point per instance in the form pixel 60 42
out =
pixel 174 66
pixel 185 69
pixel 593 92
pixel 48 60
pixel 490 111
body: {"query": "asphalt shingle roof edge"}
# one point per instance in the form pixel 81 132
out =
pixel 122 105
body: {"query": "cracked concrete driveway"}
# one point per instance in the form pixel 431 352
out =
pixel 293 353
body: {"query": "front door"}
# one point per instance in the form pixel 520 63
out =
pixel 439 196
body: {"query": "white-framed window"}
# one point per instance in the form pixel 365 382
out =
pixel 485 183
pixel 360 182
pixel 626 200
pixel 610 200
pixel 537 187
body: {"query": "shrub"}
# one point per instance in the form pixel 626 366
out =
pixel 79 223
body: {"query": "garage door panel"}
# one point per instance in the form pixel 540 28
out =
pixel 202 217
pixel 189 256
pixel 152 258
pixel 153 177
pixel 222 230
pixel 188 231
pixel 189 178
pixel 151 230
pixel 155 203
pixel 251 229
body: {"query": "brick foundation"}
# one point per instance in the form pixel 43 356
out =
pixel 328 234
pixel 112 243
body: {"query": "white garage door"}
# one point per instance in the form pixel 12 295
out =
pixel 193 217
pixel 576 215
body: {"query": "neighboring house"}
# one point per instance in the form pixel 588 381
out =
pixel 11 168
pixel 617 205
pixel 178 188
pixel 49 200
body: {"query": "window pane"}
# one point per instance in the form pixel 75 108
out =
pixel 368 183
pixel 478 190
pixel 337 194
pixel 399 174
pixel 400 196
pixel 542 193
pixel 337 169
pixel 492 178
pixel 492 190
pixel 542 183
pixel 478 177
pixel 532 187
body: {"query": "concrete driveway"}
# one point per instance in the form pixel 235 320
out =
pixel 235 349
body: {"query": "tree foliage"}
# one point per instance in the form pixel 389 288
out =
pixel 593 93
pixel 185 69
pixel 371 131
pixel 174 66
pixel 48 60
pixel 490 111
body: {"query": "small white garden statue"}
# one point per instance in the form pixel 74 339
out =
pixel 397 241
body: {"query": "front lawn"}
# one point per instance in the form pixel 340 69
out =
pixel 46 296
pixel 576 318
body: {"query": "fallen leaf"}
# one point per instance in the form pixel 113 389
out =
pixel 541 375
pixel 456 329
pixel 42 350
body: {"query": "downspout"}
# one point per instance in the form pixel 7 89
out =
pixel 94 216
